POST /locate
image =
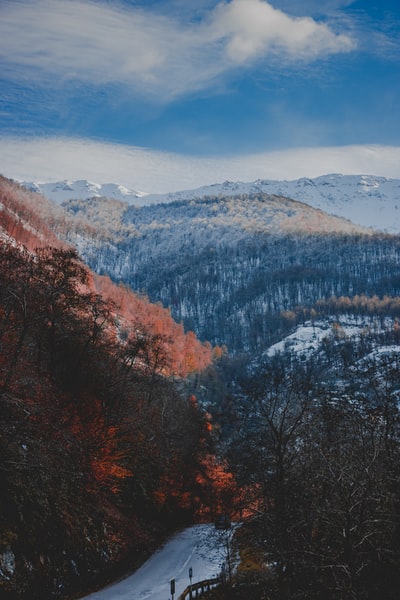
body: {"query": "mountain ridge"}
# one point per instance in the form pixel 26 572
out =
pixel 59 191
pixel 366 200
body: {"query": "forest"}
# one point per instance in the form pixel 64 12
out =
pixel 105 449
pixel 240 272
pixel 124 420
pixel 315 438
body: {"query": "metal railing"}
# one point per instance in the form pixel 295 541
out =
pixel 195 590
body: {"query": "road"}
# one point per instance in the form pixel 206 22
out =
pixel 200 547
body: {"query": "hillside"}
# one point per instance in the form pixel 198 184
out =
pixel 32 220
pixel 314 425
pixel 101 437
pixel 237 270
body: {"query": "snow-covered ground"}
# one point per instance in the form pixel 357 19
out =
pixel 308 337
pixel 202 548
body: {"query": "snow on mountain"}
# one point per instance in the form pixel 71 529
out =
pixel 366 200
pixel 308 337
pixel 82 189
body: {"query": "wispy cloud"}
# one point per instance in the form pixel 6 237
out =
pixel 313 7
pixel 54 159
pixel 64 41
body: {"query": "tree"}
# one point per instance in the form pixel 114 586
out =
pixel 275 408
pixel 328 469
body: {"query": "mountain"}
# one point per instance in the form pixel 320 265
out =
pixel 366 200
pixel 64 190
pixel 239 265
pixel 238 270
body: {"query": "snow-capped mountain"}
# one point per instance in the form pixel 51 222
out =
pixel 366 200
pixel 82 189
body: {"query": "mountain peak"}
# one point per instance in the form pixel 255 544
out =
pixel 82 189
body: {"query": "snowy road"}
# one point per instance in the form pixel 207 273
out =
pixel 201 547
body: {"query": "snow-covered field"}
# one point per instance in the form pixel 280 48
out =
pixel 200 547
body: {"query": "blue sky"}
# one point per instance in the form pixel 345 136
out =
pixel 168 94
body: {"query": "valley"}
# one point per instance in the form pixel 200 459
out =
pixel 246 361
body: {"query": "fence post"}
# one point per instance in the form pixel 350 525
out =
pixel 172 588
pixel 190 578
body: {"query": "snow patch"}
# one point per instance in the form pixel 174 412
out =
pixel 7 564
pixel 308 337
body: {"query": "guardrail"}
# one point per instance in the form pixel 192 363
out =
pixel 195 590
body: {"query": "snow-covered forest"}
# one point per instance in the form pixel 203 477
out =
pixel 240 271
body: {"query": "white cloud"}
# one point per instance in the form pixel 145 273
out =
pixel 140 169
pixel 254 28
pixel 61 41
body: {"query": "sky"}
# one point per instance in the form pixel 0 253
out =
pixel 164 95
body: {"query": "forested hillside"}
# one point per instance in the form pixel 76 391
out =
pixel 104 447
pixel 316 429
pixel 239 271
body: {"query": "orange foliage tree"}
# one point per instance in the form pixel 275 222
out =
pixel 97 433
